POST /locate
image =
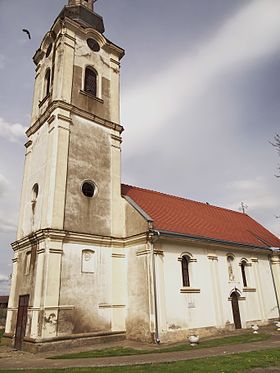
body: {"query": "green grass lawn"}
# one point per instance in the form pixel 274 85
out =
pixel 126 351
pixel 236 363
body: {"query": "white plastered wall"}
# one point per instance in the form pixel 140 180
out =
pixel 206 304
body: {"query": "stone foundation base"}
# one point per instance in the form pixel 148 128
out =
pixel 181 335
pixel 261 323
pixel 64 343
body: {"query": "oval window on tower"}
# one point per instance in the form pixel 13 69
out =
pixel 93 45
pixel 88 188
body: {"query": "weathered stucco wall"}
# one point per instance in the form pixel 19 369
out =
pixel 84 291
pixel 89 159
pixel 134 222
pixel 23 280
pixel 36 163
pixel 106 64
pixel 139 312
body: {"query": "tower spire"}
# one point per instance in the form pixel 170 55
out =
pixel 86 3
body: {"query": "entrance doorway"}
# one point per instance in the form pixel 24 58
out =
pixel 21 320
pixel 235 310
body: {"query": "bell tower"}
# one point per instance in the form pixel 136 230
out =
pixel 72 168
pixel 71 201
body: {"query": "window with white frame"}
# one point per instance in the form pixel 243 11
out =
pixel 185 270
pixel 243 266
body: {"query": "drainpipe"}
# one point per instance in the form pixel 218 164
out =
pixel 153 240
pixel 274 250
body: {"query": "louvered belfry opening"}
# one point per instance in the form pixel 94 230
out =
pixel 90 81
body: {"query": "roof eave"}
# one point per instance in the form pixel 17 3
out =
pixel 211 240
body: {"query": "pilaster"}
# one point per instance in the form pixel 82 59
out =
pixel 213 261
pixel 24 192
pixel 52 274
pixel 275 268
pixel 63 70
pixel 256 270
pixel 161 300
pixel 12 306
pixel 119 292
pixel 117 221
pixel 38 288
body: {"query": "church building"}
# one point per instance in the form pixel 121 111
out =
pixel 97 258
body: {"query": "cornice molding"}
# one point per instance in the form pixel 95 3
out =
pixel 55 235
pixel 58 104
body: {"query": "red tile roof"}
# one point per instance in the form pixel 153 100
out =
pixel 178 215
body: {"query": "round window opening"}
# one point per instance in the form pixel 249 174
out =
pixel 93 45
pixel 48 52
pixel 88 189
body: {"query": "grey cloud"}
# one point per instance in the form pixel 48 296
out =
pixel 11 131
pixel 3 278
pixel 2 61
pixel 7 225
pixel 3 185
pixel 249 35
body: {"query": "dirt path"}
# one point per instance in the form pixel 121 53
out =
pixel 22 360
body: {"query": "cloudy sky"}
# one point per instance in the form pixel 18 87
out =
pixel 200 100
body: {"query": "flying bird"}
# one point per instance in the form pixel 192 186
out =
pixel 27 32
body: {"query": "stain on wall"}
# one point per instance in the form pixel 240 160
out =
pixel 134 222
pixel 89 159
pixel 84 291
pixel 138 319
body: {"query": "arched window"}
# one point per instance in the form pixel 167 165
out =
pixel 47 82
pixel 90 81
pixel 27 262
pixel 185 271
pixel 243 272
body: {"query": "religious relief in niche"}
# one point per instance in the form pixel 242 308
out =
pixel 88 261
pixel 230 260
